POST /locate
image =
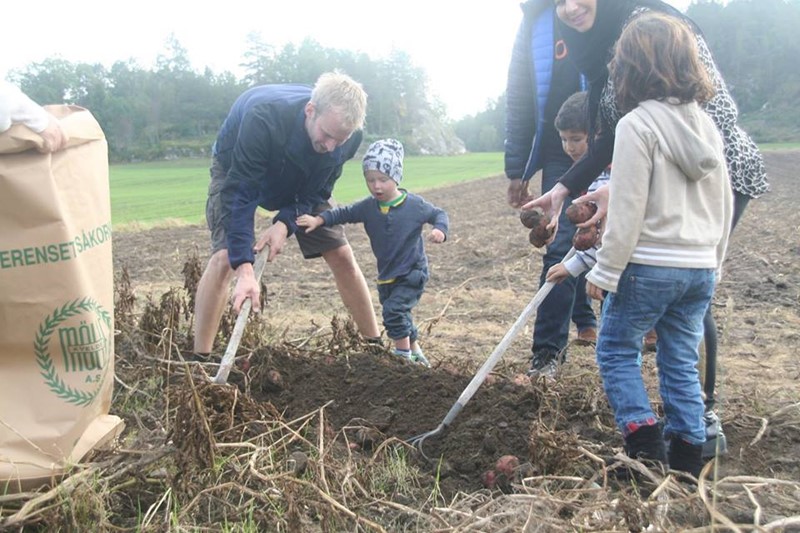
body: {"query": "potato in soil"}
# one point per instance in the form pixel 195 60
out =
pixel 578 213
pixel 507 465
pixel 489 479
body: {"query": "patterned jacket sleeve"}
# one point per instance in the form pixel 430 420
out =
pixel 745 163
pixel 581 262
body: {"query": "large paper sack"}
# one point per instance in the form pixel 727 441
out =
pixel 56 302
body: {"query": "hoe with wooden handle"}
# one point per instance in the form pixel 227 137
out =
pixel 241 320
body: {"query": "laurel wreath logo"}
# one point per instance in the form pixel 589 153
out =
pixel 45 362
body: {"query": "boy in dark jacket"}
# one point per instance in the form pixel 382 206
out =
pixel 540 78
pixel 393 219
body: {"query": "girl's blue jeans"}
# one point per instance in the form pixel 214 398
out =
pixel 673 300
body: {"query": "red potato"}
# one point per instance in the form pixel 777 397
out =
pixel 537 221
pixel 578 213
pixel 507 466
pixel 585 238
pixel 539 236
pixel 531 218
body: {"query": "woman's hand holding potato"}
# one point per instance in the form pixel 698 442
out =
pixel 600 199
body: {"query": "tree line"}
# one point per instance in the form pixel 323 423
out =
pixel 171 110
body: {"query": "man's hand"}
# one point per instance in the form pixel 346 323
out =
pixel 53 136
pixel 557 273
pixel 275 237
pixel 517 193
pixel 310 222
pixel 551 203
pixel 247 286
pixel 436 236
pixel 600 198
pixel 594 291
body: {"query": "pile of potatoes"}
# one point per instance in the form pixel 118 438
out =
pixel 584 238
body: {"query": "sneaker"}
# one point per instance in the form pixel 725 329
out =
pixel 544 363
pixel 587 337
pixel 419 357
pixel 414 357
pixel 405 354
pixel 650 341
pixel 716 444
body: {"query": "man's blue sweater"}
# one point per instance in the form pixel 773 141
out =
pixel 265 150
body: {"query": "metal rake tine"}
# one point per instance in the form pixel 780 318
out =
pixel 417 441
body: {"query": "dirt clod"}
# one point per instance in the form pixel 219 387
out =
pixel 274 380
pixel 297 463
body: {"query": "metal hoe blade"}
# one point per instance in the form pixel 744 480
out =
pixel 241 320
pixel 490 363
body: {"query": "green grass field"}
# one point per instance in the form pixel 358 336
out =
pixel 168 192
pixel 160 193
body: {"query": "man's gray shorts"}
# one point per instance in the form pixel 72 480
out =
pixel 312 244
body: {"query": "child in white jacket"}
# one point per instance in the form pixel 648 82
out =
pixel 669 217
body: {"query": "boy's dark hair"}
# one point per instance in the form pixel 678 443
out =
pixel 655 58
pixel 574 114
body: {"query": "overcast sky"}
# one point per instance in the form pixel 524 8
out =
pixel 463 46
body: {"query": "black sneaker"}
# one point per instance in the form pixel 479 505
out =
pixel 544 363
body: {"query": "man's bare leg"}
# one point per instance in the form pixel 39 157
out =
pixel 210 301
pixel 353 289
